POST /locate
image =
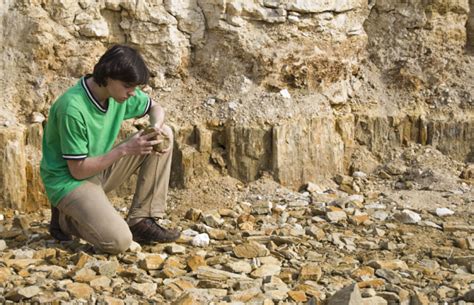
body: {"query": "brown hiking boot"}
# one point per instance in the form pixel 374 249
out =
pixel 148 231
pixel 55 229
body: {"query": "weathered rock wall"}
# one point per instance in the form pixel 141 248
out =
pixel 362 76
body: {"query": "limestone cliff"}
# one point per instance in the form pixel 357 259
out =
pixel 300 89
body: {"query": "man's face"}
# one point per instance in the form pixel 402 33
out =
pixel 119 90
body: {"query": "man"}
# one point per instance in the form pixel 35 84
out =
pixel 80 164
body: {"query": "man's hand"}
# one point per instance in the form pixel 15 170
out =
pixel 140 144
pixel 165 131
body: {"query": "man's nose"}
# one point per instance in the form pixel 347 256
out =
pixel 131 93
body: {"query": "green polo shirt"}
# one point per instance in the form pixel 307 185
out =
pixel 79 127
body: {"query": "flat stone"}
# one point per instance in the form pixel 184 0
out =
pixel 196 261
pixel 390 297
pixel 239 267
pixel 209 273
pixel 212 219
pixel 108 300
pixel 81 259
pixel 22 263
pixel 442 212
pixel 372 283
pixel 175 249
pixel 349 295
pixel 454 226
pixel 363 273
pixel 389 275
pixel 84 275
pixel 201 240
pixel 262 208
pixel 151 262
pixel 375 300
pixel 135 247
pixel 79 290
pixel 173 272
pixel 407 216
pixel 266 270
pixel 5 273
pixel 23 293
pixel 336 216
pixel 394 264
pixel 245 295
pixel 250 250
pixel 108 268
pixel 144 289
pixel 298 296
pixel 3 245
pixel 193 214
pixel 311 271
pixel 419 298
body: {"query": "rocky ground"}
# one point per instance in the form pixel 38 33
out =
pixel 402 235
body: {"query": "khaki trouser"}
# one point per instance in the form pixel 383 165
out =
pixel 86 212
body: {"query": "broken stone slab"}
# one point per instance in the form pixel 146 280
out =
pixel 250 250
pixel 349 295
pixel 143 289
pixel 151 262
pixel 407 216
pixel 175 249
pixel 336 216
pixel 3 245
pixel 442 212
pixel 266 270
pixel 389 275
pixel 310 271
pixel 245 295
pixel 239 267
pixel 196 261
pixel 208 273
pixel 79 290
pixel 419 298
pixel 201 240
pixel 465 261
pixel 455 226
pixel 394 264
pixel 352 200
pixel 212 219
pixel 262 208
pixel 23 293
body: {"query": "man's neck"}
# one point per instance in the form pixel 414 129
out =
pixel 100 93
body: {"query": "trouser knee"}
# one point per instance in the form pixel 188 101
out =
pixel 118 243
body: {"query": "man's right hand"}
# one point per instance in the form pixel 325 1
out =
pixel 140 144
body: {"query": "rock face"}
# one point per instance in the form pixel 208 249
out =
pixel 299 89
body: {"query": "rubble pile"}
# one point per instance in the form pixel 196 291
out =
pixel 347 241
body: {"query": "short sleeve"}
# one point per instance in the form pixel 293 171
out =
pixel 138 105
pixel 73 138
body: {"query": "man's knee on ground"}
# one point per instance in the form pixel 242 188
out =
pixel 117 243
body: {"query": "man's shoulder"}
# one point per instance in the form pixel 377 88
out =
pixel 73 98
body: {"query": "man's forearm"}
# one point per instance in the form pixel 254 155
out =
pixel 157 115
pixel 83 169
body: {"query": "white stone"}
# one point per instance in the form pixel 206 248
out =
pixel 441 212
pixel 359 174
pixel 201 240
pixel 98 28
pixel 189 233
pixel 3 245
pixel 408 216
pixel 285 93
pixel 135 247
